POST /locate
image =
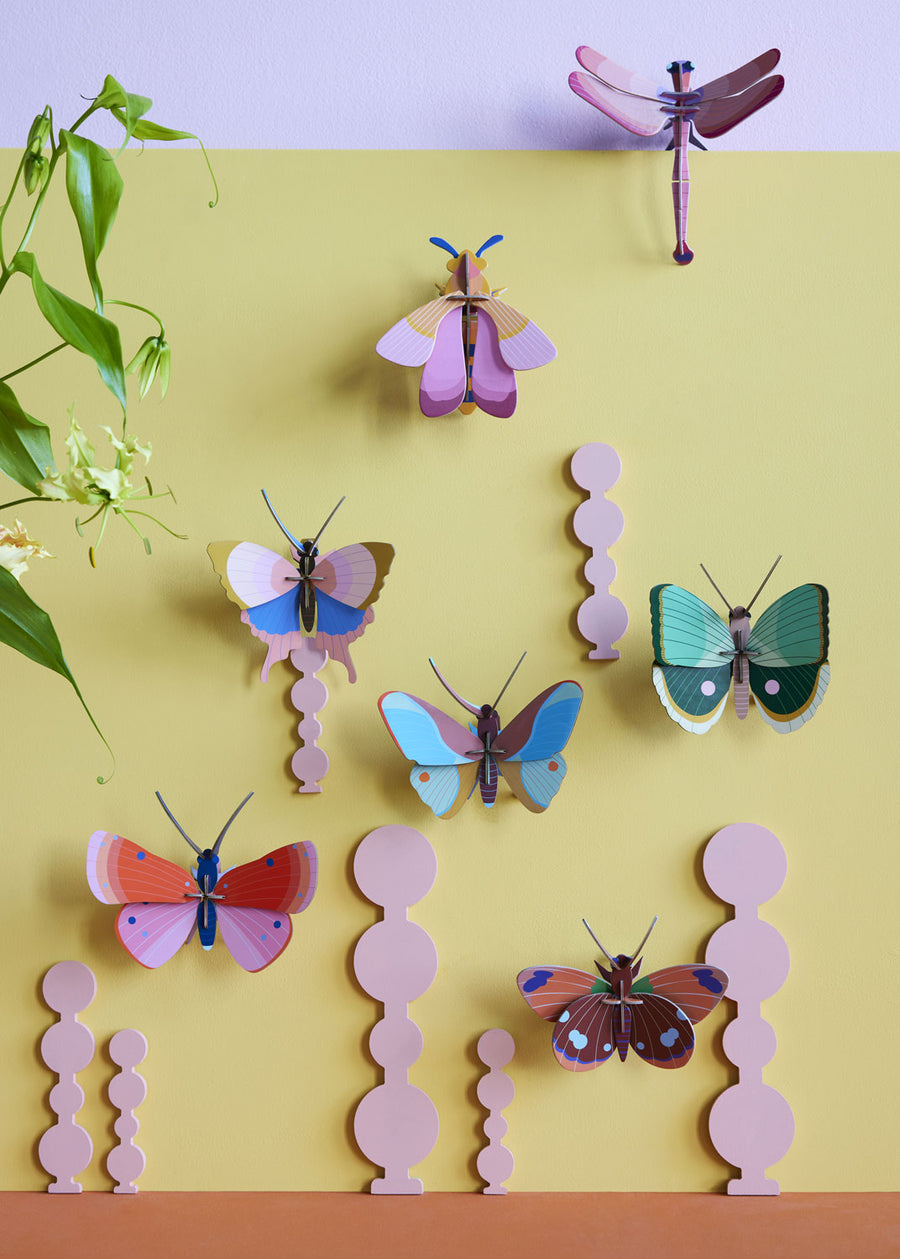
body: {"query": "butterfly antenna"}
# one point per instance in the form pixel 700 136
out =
pixel 646 937
pixel 765 579
pixel 508 680
pixel 278 521
pixel 178 825
pixel 598 944
pixel 716 588
pixel 472 708
pixel 322 530
pixel 228 823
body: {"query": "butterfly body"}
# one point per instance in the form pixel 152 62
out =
pixel 452 759
pixel 781 661
pixel 614 1011
pixel 468 342
pixel 164 904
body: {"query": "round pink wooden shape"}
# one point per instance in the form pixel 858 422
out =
pixel 745 865
pixel 598 523
pixel 69 988
pixel 495 1090
pixel 309 696
pixel 126 1161
pixel 496 1048
pixel 67 1047
pixel 395 866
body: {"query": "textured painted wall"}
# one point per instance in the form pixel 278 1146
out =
pixel 407 75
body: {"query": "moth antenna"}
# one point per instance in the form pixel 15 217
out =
pixel 178 826
pixel 491 240
pixel 322 530
pixel 716 588
pixel 508 680
pixel 442 244
pixel 765 579
pixel 472 708
pixel 228 823
pixel 598 944
pixel 646 937
pixel 290 537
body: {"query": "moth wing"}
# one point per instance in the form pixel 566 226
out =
pixel 154 933
pixel 534 783
pixel 444 788
pixel 694 697
pixel 251 574
pixel 253 937
pixel 411 340
pixel 661 1032
pixel 120 872
pixel 443 384
pixel 716 117
pixel 694 989
pixel 283 880
pixel 583 1037
pixel 549 989
pixel 542 728
pixel 522 343
pixel 493 380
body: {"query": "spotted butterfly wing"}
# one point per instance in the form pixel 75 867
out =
pixel 688 670
pixel 790 671
pixel 530 759
pixel 573 999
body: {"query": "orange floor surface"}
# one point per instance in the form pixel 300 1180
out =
pixel 439 1225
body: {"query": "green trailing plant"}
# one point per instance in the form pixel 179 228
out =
pixel 94 188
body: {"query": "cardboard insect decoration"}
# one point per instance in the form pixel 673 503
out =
pixel 327 597
pixel 471 343
pixel 782 660
pixel 165 904
pixel 453 759
pixel 596 1014
pixel 645 109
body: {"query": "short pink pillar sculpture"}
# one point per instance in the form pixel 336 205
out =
pixel 67 1047
pixel 309 696
pixel 127 1090
pixel 396 1124
pixel 598 523
pixel 495 1091
pixel 751 1125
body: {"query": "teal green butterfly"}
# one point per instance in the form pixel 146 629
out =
pixel 782 660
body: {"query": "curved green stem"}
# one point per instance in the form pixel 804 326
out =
pixel 40 358
pixel 3 210
pixel 113 301
pixel 17 501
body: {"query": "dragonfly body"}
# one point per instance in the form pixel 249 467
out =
pixel 645 109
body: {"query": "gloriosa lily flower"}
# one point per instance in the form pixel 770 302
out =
pixel 152 357
pixel 16 549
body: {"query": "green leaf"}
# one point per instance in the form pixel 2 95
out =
pixel 28 629
pixel 112 94
pixel 148 130
pixel 25 451
pixel 78 325
pixel 94 186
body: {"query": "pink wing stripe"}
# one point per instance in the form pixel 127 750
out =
pixel 349 574
pixel 616 76
pixel 280 645
pixel 642 118
pixel 257 574
pixel 253 937
pixel 443 384
pixel 493 382
pixel 154 933
pixel 521 347
pixel 411 340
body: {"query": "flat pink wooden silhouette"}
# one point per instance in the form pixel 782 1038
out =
pixel 495 1091
pixel 127 1090
pixel 67 1047
pixel 598 523
pixel 751 1125
pixel 396 1124
pixel 309 696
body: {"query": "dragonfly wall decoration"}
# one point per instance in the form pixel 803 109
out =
pixel 645 109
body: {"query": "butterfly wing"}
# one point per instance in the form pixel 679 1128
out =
pixel 445 772
pixel 354 574
pixel 716 117
pixel 694 989
pixel 528 748
pixel 549 989
pixel 583 1036
pixel 283 881
pixel 411 341
pixel 253 937
pixel 661 1032
pixel 120 872
pixel 619 93
pixel 264 585
pixel 689 640
pixel 493 381
pixel 790 671
pixel 153 933
pixel 443 384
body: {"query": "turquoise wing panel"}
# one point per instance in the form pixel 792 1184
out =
pixel 793 630
pixel 686 631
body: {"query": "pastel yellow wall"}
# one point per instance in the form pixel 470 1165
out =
pixel 753 400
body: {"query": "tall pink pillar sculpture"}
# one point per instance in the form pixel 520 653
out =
pixel 751 1125
pixel 598 523
pixel 125 1161
pixel 396 1124
pixel 67 1047
pixel 495 1090
pixel 309 696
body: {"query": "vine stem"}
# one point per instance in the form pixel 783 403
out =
pixel 40 358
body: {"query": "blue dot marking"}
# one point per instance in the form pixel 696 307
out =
pixel 270 861
pixel 639 1045
pixel 144 934
pixel 578 1039
pixel 537 980
pixel 607 1048
pixel 706 979
pixel 264 936
pixel 669 1038
pixel 132 921
pixel 141 856
pixel 681 1014
pixel 564 1017
pixel 277 923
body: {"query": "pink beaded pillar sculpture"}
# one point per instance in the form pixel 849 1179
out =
pixel 396 1124
pixel 127 1090
pixel 598 523
pixel 309 696
pixel 67 1047
pixel 751 1125
pixel 495 1091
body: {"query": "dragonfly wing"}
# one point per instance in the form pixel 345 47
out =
pixel 641 116
pixel 443 384
pixel 616 76
pixel 741 78
pixel 714 118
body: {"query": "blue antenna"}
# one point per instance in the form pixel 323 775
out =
pixel 442 244
pixel 491 240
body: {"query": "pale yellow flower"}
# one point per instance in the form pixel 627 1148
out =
pixel 16 549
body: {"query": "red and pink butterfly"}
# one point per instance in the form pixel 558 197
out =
pixel 164 904
pixel 327 598
pixel 471 343
pixel 595 1015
